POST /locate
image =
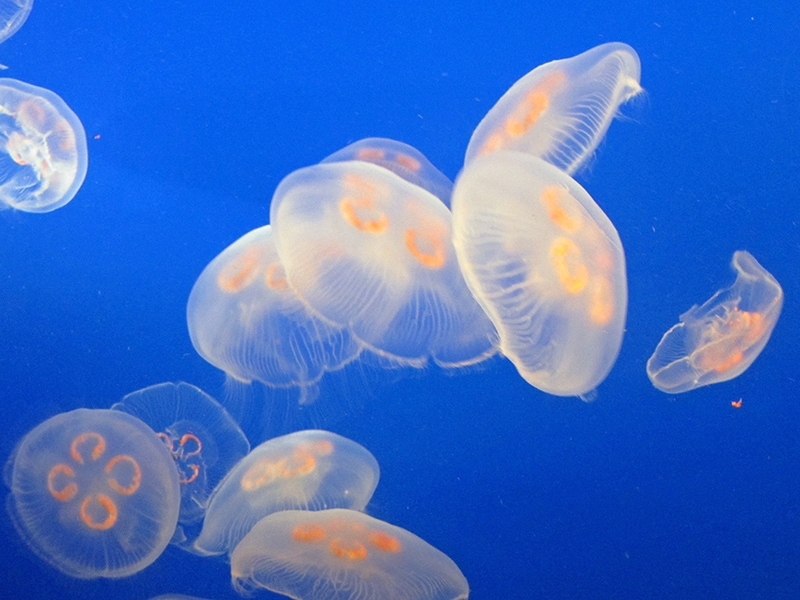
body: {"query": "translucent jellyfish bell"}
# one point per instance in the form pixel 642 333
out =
pixel 309 470
pixel 401 159
pixel 561 110
pixel 95 493
pixel 719 340
pixel 43 155
pixel 369 251
pixel 546 265
pixel 244 319
pixel 13 14
pixel 202 438
pixel 342 555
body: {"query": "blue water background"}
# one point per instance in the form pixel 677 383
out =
pixel 195 111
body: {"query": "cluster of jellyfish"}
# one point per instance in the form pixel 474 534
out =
pixel 373 250
pixel 101 493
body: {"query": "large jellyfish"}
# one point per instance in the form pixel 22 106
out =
pixel 95 493
pixel 546 265
pixel 561 110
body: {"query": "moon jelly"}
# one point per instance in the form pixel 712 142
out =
pixel 546 265
pixel 401 159
pixel 342 555
pixel 95 493
pixel 309 470
pixel 43 156
pixel 201 436
pixel 561 110
pixel 369 251
pixel 719 340
pixel 13 14
pixel 245 319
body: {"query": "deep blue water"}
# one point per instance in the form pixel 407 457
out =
pixel 195 111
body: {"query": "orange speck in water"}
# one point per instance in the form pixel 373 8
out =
pixel 67 492
pixel 107 504
pixel 309 532
pixel 410 163
pixel 97 137
pixel 565 257
pixel 551 198
pixel 347 550
pixel 135 477
pixel 384 542
pixel 241 271
pixel 737 403
pixel 276 277
pixel 433 259
pixel 97 451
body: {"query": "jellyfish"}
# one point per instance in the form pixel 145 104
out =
pixel 245 319
pixel 13 14
pixel 561 110
pixel 203 439
pixel 546 265
pixel 371 252
pixel 342 555
pixel 95 493
pixel 43 156
pixel 308 470
pixel 719 340
pixel 401 159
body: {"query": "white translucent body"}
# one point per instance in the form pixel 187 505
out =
pixel 43 155
pixel 546 265
pixel 720 339
pixel 401 159
pixel 343 555
pixel 94 493
pixel 561 110
pixel 369 251
pixel 203 439
pixel 244 319
pixel 13 14
pixel 309 470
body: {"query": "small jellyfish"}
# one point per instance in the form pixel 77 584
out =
pixel 720 339
pixel 342 555
pixel 43 156
pixel 202 438
pixel 546 265
pixel 561 110
pixel 308 470
pixel 369 251
pixel 401 159
pixel 245 319
pixel 13 14
pixel 95 493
